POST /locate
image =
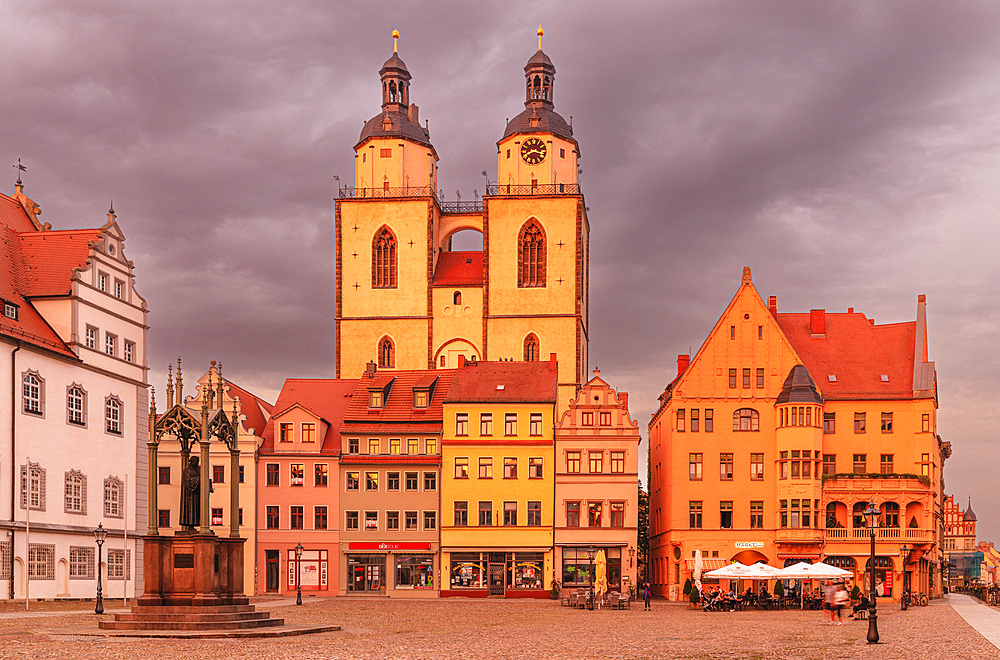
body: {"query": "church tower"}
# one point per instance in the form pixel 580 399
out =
pixel 406 300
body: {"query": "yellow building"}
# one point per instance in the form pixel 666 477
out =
pixel 770 444
pixel 407 301
pixel 498 480
pixel 254 413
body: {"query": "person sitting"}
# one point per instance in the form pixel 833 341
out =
pixel 749 598
pixel 862 605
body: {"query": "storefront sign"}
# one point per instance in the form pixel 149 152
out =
pixel 743 545
pixel 388 546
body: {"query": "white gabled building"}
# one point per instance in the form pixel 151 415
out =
pixel 73 408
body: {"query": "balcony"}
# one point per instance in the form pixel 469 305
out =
pixel 386 192
pixel 910 534
pixel 801 535
pixel 537 189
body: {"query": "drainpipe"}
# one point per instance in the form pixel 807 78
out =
pixel 13 463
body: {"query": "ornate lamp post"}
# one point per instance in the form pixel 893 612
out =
pixel 631 556
pixel 872 513
pixel 590 555
pixel 99 534
pixel 298 574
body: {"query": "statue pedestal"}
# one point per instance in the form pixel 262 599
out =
pixel 193 569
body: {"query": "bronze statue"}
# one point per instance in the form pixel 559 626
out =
pixel 191 495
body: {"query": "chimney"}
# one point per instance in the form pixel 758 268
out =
pixel 817 322
pixel 552 361
pixel 772 305
pixel 461 361
pixel 370 369
pixel 683 360
pixel 850 310
pixel 414 112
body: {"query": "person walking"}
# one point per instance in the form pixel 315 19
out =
pixel 840 598
pixel 645 598
pixel 828 596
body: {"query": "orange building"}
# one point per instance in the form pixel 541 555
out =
pixel 828 412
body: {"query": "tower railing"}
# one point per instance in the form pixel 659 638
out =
pixel 462 207
pixel 386 192
pixel 501 189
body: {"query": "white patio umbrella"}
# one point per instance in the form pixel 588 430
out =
pixel 697 570
pixel 731 571
pixel 821 571
pixel 799 571
pixel 761 572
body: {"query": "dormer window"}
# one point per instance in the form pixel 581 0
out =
pixel 375 398
pixel 10 310
pixel 420 398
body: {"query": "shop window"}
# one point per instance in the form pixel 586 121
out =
pixel 414 572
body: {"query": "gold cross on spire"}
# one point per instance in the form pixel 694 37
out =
pixel 395 41
pixel 540 32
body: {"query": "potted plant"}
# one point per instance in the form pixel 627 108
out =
pixel 779 589
pixel 694 597
pixel 855 595
pixel 554 590
pixel 687 587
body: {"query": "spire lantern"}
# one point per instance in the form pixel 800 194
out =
pixel 540 76
pixel 395 80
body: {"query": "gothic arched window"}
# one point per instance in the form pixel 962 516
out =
pixel 531 348
pixel 113 415
pixel 537 91
pixel 531 255
pixel 386 353
pixel 384 260
pixel 392 91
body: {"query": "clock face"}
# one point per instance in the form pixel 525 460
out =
pixel 533 151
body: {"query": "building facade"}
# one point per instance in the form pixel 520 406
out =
pixel 596 487
pixel 818 414
pixel 405 300
pixel 74 439
pixel 959 542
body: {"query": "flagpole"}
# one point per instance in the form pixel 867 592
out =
pixel 27 532
pixel 125 531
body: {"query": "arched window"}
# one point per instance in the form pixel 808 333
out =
pixel 392 91
pixel 746 419
pixel 457 298
pixel 531 255
pixel 32 392
pixel 384 260
pixel 846 563
pixel 76 405
pixel 858 513
pixel 113 488
pixel 545 88
pixel 113 415
pixel 531 348
pixel 537 91
pixel 890 514
pixel 75 492
pixel 386 353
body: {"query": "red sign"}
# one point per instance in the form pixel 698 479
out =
pixel 388 546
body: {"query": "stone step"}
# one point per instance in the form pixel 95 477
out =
pixel 190 625
pixel 202 616
pixel 191 609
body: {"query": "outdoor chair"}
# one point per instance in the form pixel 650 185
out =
pixel 624 602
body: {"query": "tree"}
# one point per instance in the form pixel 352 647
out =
pixel 779 588
pixel 642 543
pixel 694 596
pixel 687 586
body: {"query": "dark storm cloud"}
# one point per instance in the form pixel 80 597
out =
pixel 848 152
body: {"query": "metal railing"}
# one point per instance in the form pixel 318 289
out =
pixel 539 189
pixel 908 533
pixel 462 207
pixel 386 193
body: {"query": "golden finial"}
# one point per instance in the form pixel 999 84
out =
pixel 395 40
pixel 540 32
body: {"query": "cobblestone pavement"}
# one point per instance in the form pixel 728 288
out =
pixel 459 628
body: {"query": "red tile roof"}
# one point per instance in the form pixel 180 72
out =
pixel 504 382
pixel 327 398
pixel 256 409
pixel 398 414
pixel 459 269
pixel 12 214
pixel 857 352
pixel 49 259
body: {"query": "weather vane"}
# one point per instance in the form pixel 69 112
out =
pixel 20 168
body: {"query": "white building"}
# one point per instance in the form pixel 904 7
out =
pixel 73 422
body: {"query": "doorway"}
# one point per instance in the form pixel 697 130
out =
pixel 272 570
pixel 496 575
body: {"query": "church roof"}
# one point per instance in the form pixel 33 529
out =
pixel 400 126
pixel 539 119
pixel 970 515
pixel 539 58
pixel 394 62
pixel 459 269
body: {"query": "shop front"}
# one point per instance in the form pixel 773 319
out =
pixel 390 569
pixel 311 569
pixel 500 573
pixel 578 570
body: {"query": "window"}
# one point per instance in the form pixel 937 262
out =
pixel 385 153
pixel 41 561
pixel 113 416
pixel 594 510
pixel 756 467
pixel 596 460
pixel 859 463
pixel 745 419
pixel 708 420
pixel 510 468
pixel 430 481
pixel 75 500
pixel 485 513
pixel 510 514
pixel 535 424
pixel 605 419
pixel 394 445
pixel 486 424
pixel 412 446
pixel 353 481
pixel 829 464
pixel 384 260
pixel 462 424
pixel 531 348
pixel 392 520
pixel 573 462
pixel 732 379
pixel 783 468
pixel 386 354
pixel 694 420
pixel 308 432
pixel 410 518
pixel 81 563
pixel 461 514
pixel 587 418
pixel 129 351
pixel 510 424
pixel 694 466
pixel 485 467
pixel 351 521
pixel 534 514
pixel 114 490
pixel 411 481
pixel 925 465
pixel 756 515
pixel 925 422
pixel 694 515
pixel 859 422
pixel 10 310
pixel 531 255
pixel 760 378
pixel 217 517
pixel 726 515
pixel 887 422
pixel 164 475
pixel 373 445
pixel 572 514
pixel 371 481
pixel 746 379
pixel 680 420
pixel 829 422
pixel 392 481
pixel 617 462
pixel 885 464
pixel 617 514
pixel 430 520
pixel 219 474
pixel 163 517
pixel 273 517
pixel 732 332
pixel 110 344
pixel 321 477
pixel 726 467
pixel 119 289
pixel 421 398
pixel 371 521
pixel 461 468
pixel 76 405
pixel 91 337
pixel 32 391
pixel 354 446
pixel 102 281
pixel 431 446
pixel 319 517
pixel 375 398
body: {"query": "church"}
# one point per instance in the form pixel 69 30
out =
pixel 406 300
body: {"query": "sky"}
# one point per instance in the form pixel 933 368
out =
pixel 848 152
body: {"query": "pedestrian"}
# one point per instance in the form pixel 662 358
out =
pixel 828 597
pixel 840 598
pixel 645 598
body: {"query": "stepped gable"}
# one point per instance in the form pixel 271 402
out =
pixel 327 398
pixel 459 269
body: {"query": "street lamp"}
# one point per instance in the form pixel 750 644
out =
pixel 99 534
pixel 872 513
pixel 298 573
pixel 590 555
pixel 903 597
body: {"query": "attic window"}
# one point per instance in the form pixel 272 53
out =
pixel 500 387
pixel 833 378
pixel 374 398
pixel 10 310
pixel 885 378
pixel 420 398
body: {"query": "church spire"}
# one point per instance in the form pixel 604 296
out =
pixel 540 76
pixel 395 80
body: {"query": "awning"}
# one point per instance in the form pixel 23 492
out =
pixel 546 548
pixel 708 564
pixel 595 545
